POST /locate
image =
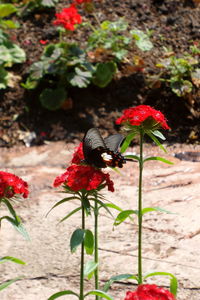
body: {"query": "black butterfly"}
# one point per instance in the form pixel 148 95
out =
pixel 102 153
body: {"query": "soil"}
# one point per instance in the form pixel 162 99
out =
pixel 175 26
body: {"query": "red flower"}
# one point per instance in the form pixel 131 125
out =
pixel 82 1
pixel 43 42
pixel 149 292
pixel 78 156
pixel 136 116
pixel 11 184
pixel 68 18
pixel 79 177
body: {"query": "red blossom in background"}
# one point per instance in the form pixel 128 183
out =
pixel 68 17
pixel 137 115
pixel 149 292
pixel 43 42
pixel 81 1
pixel 78 156
pixel 11 184
pixel 79 177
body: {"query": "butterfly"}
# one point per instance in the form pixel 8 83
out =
pixel 102 153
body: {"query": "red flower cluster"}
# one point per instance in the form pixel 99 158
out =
pixel 78 156
pixel 11 184
pixel 68 18
pixel 149 292
pixel 79 177
pixel 137 115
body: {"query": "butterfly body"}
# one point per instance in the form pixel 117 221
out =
pixel 102 153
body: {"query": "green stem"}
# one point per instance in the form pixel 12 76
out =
pixel 81 297
pixel 97 19
pixel 140 211
pixel 96 254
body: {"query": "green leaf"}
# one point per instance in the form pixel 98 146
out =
pixel 104 74
pixel 124 215
pixel 89 269
pixel 89 242
pixel 53 99
pixel 70 214
pixel 86 205
pixel 63 293
pixel 9 282
pixel 3 78
pixel 49 3
pixel 77 239
pixel 61 202
pixel 105 206
pixel 150 209
pixel 181 88
pixel 9 24
pixel 156 141
pixel 6 10
pixel 100 294
pixel 173 280
pixel 158 134
pixel 158 158
pixel 16 223
pixel 13 259
pixel 112 205
pixel 142 40
pixel 11 53
pixel 79 78
pixel 134 157
pixel 127 141
pixel 118 278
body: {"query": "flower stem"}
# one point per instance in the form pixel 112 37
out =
pixel 140 211
pixel 81 297
pixel 96 254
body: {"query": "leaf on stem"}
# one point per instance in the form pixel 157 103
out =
pixel 134 157
pixel 70 214
pixel 124 215
pixel 173 280
pixel 118 278
pixel 61 202
pixel 89 269
pixel 76 239
pixel 160 159
pixel 99 293
pixel 63 293
pixel 150 209
pixel 13 259
pixel 127 141
pixel 159 134
pixel 17 225
pixel 89 242
pixel 156 141
pixel 7 283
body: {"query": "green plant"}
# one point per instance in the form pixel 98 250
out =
pixel 181 73
pixel 5 11
pixel 11 187
pixel 110 36
pixel 142 121
pixel 10 53
pixel 60 66
pixel 65 64
pixel 28 6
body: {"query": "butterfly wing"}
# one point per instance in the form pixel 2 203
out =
pixel 93 141
pixel 114 141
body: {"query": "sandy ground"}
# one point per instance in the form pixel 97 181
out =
pixel 171 242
